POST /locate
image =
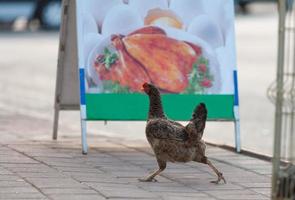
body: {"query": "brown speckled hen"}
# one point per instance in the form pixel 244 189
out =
pixel 170 140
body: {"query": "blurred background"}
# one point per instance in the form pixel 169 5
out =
pixel 29 41
pixel 19 15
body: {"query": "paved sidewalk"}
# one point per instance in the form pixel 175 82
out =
pixel 45 169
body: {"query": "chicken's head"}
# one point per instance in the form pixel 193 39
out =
pixel 150 89
pixel 200 111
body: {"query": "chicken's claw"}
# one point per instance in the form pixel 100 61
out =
pixel 147 180
pixel 220 177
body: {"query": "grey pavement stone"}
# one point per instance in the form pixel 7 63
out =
pixel 127 193
pixel 9 178
pixel 116 198
pixel 55 174
pixel 160 179
pixel 55 183
pixel 27 167
pixel 78 170
pixel 94 178
pixel 18 183
pixel 264 191
pixel 184 196
pixel 256 185
pixel 76 197
pixel 243 197
pixel 5 196
pixel 80 177
pixel 5 172
pixel 170 189
pixel 209 186
pixel 108 180
pixel 68 191
pixel 97 174
pixel 17 190
pixel 114 175
pixel 16 159
pixel 223 193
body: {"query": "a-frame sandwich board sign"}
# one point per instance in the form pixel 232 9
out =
pixel 108 48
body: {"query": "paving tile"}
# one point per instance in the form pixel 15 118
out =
pixel 5 196
pixel 68 191
pixel 18 183
pixel 264 191
pixel 184 196
pixel 160 179
pixel 76 197
pixel 95 178
pixel 242 197
pixel 230 192
pixel 5 172
pixel 127 193
pixel 256 185
pixel 16 190
pixel 112 185
pixel 112 171
pixel 10 177
pixel 28 168
pixel 55 183
pixel 108 180
pixel 115 198
pixel 16 159
pixel 211 186
pixel 170 189
pixel 75 169
pixel 55 174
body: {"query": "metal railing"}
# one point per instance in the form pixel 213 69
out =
pixel 282 94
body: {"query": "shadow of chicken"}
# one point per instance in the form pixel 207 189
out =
pixel 173 142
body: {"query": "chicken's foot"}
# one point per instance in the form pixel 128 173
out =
pixel 151 177
pixel 219 174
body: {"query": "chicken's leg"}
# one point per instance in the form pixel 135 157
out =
pixel 218 173
pixel 151 177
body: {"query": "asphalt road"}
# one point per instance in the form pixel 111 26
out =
pixel 27 82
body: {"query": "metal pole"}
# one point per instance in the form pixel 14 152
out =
pixel 55 122
pixel 84 137
pixel 237 129
pixel 236 113
pixel 279 97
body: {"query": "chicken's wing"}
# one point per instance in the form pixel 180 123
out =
pixel 165 130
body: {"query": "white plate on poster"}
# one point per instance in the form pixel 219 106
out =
pixel 207 52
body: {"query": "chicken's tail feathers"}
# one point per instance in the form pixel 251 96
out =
pixel 200 112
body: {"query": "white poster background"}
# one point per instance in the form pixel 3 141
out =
pixel 209 22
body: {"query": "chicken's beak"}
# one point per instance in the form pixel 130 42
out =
pixel 142 88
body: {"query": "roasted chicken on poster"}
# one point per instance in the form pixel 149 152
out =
pixel 149 55
pixel 167 61
pixel 125 70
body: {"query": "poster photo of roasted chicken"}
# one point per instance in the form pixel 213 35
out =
pixel 180 46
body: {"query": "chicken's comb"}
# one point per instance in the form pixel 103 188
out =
pixel 145 84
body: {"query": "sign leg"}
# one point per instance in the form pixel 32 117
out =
pixel 237 129
pixel 84 137
pixel 55 122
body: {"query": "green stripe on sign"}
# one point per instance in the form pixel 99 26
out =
pixel 176 106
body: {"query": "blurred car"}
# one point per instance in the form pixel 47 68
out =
pixel 47 12
pixel 243 4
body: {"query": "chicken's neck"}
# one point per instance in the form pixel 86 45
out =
pixel 156 109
